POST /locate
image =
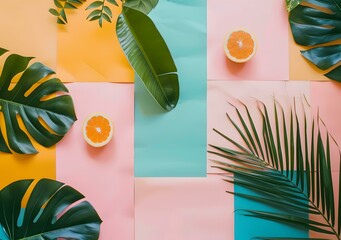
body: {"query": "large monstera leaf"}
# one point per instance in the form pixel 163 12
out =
pixel 53 211
pixel 38 101
pixel 318 24
pixel 149 55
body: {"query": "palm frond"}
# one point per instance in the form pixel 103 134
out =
pixel 286 161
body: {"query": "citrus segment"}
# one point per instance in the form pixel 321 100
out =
pixel 240 46
pixel 97 130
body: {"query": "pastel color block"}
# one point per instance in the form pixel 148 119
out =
pixel 221 94
pixel 267 20
pixel 183 209
pixel 174 143
pixel 15 166
pixel 89 53
pixel 249 227
pixel 28 29
pixel 326 97
pixel 104 175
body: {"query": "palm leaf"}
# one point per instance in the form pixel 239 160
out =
pixel 38 101
pixel 297 177
pixel 316 23
pixel 53 211
pixel 149 56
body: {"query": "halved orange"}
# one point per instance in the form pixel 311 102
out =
pixel 97 130
pixel 240 46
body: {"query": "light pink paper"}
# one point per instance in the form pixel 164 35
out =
pixel 104 175
pixel 221 93
pixel 267 20
pixel 326 98
pixel 183 209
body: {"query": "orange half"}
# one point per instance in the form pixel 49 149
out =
pixel 240 46
pixel 97 130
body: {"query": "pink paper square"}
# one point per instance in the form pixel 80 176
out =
pixel 267 20
pixel 104 175
pixel 183 209
pixel 220 93
pixel 326 97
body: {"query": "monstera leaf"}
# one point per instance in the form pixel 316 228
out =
pixel 286 160
pixel 318 25
pixel 149 56
pixel 53 211
pixel 46 111
pixel 144 6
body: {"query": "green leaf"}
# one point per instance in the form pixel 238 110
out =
pixel 324 57
pixel 53 210
pixel 100 21
pixel 46 120
pixel 112 2
pixel 291 4
pixel 106 17
pixel 108 11
pixel 60 21
pixel 76 1
pixel 95 4
pixel 54 12
pixel 70 6
pixel 317 25
pixel 144 6
pixel 95 18
pixel 63 15
pixel 57 4
pixel 94 13
pixel 304 186
pixel 335 74
pixel 149 56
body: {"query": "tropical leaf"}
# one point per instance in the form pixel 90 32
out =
pixel 149 56
pixel 61 5
pixel 287 161
pixel 53 211
pixel 38 101
pixel 317 24
pixel 100 11
pixel 144 6
pixel 291 4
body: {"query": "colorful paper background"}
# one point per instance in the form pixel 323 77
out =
pixel 173 144
pixel 154 180
pixel 267 20
pixel 104 175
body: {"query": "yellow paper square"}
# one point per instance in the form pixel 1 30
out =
pixel 88 53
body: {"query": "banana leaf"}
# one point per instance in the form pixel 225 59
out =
pixel 149 55
pixel 53 211
pixel 36 100
pixel 317 24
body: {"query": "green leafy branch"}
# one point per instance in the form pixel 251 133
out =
pixel 101 12
pixel 287 161
pixel 61 6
